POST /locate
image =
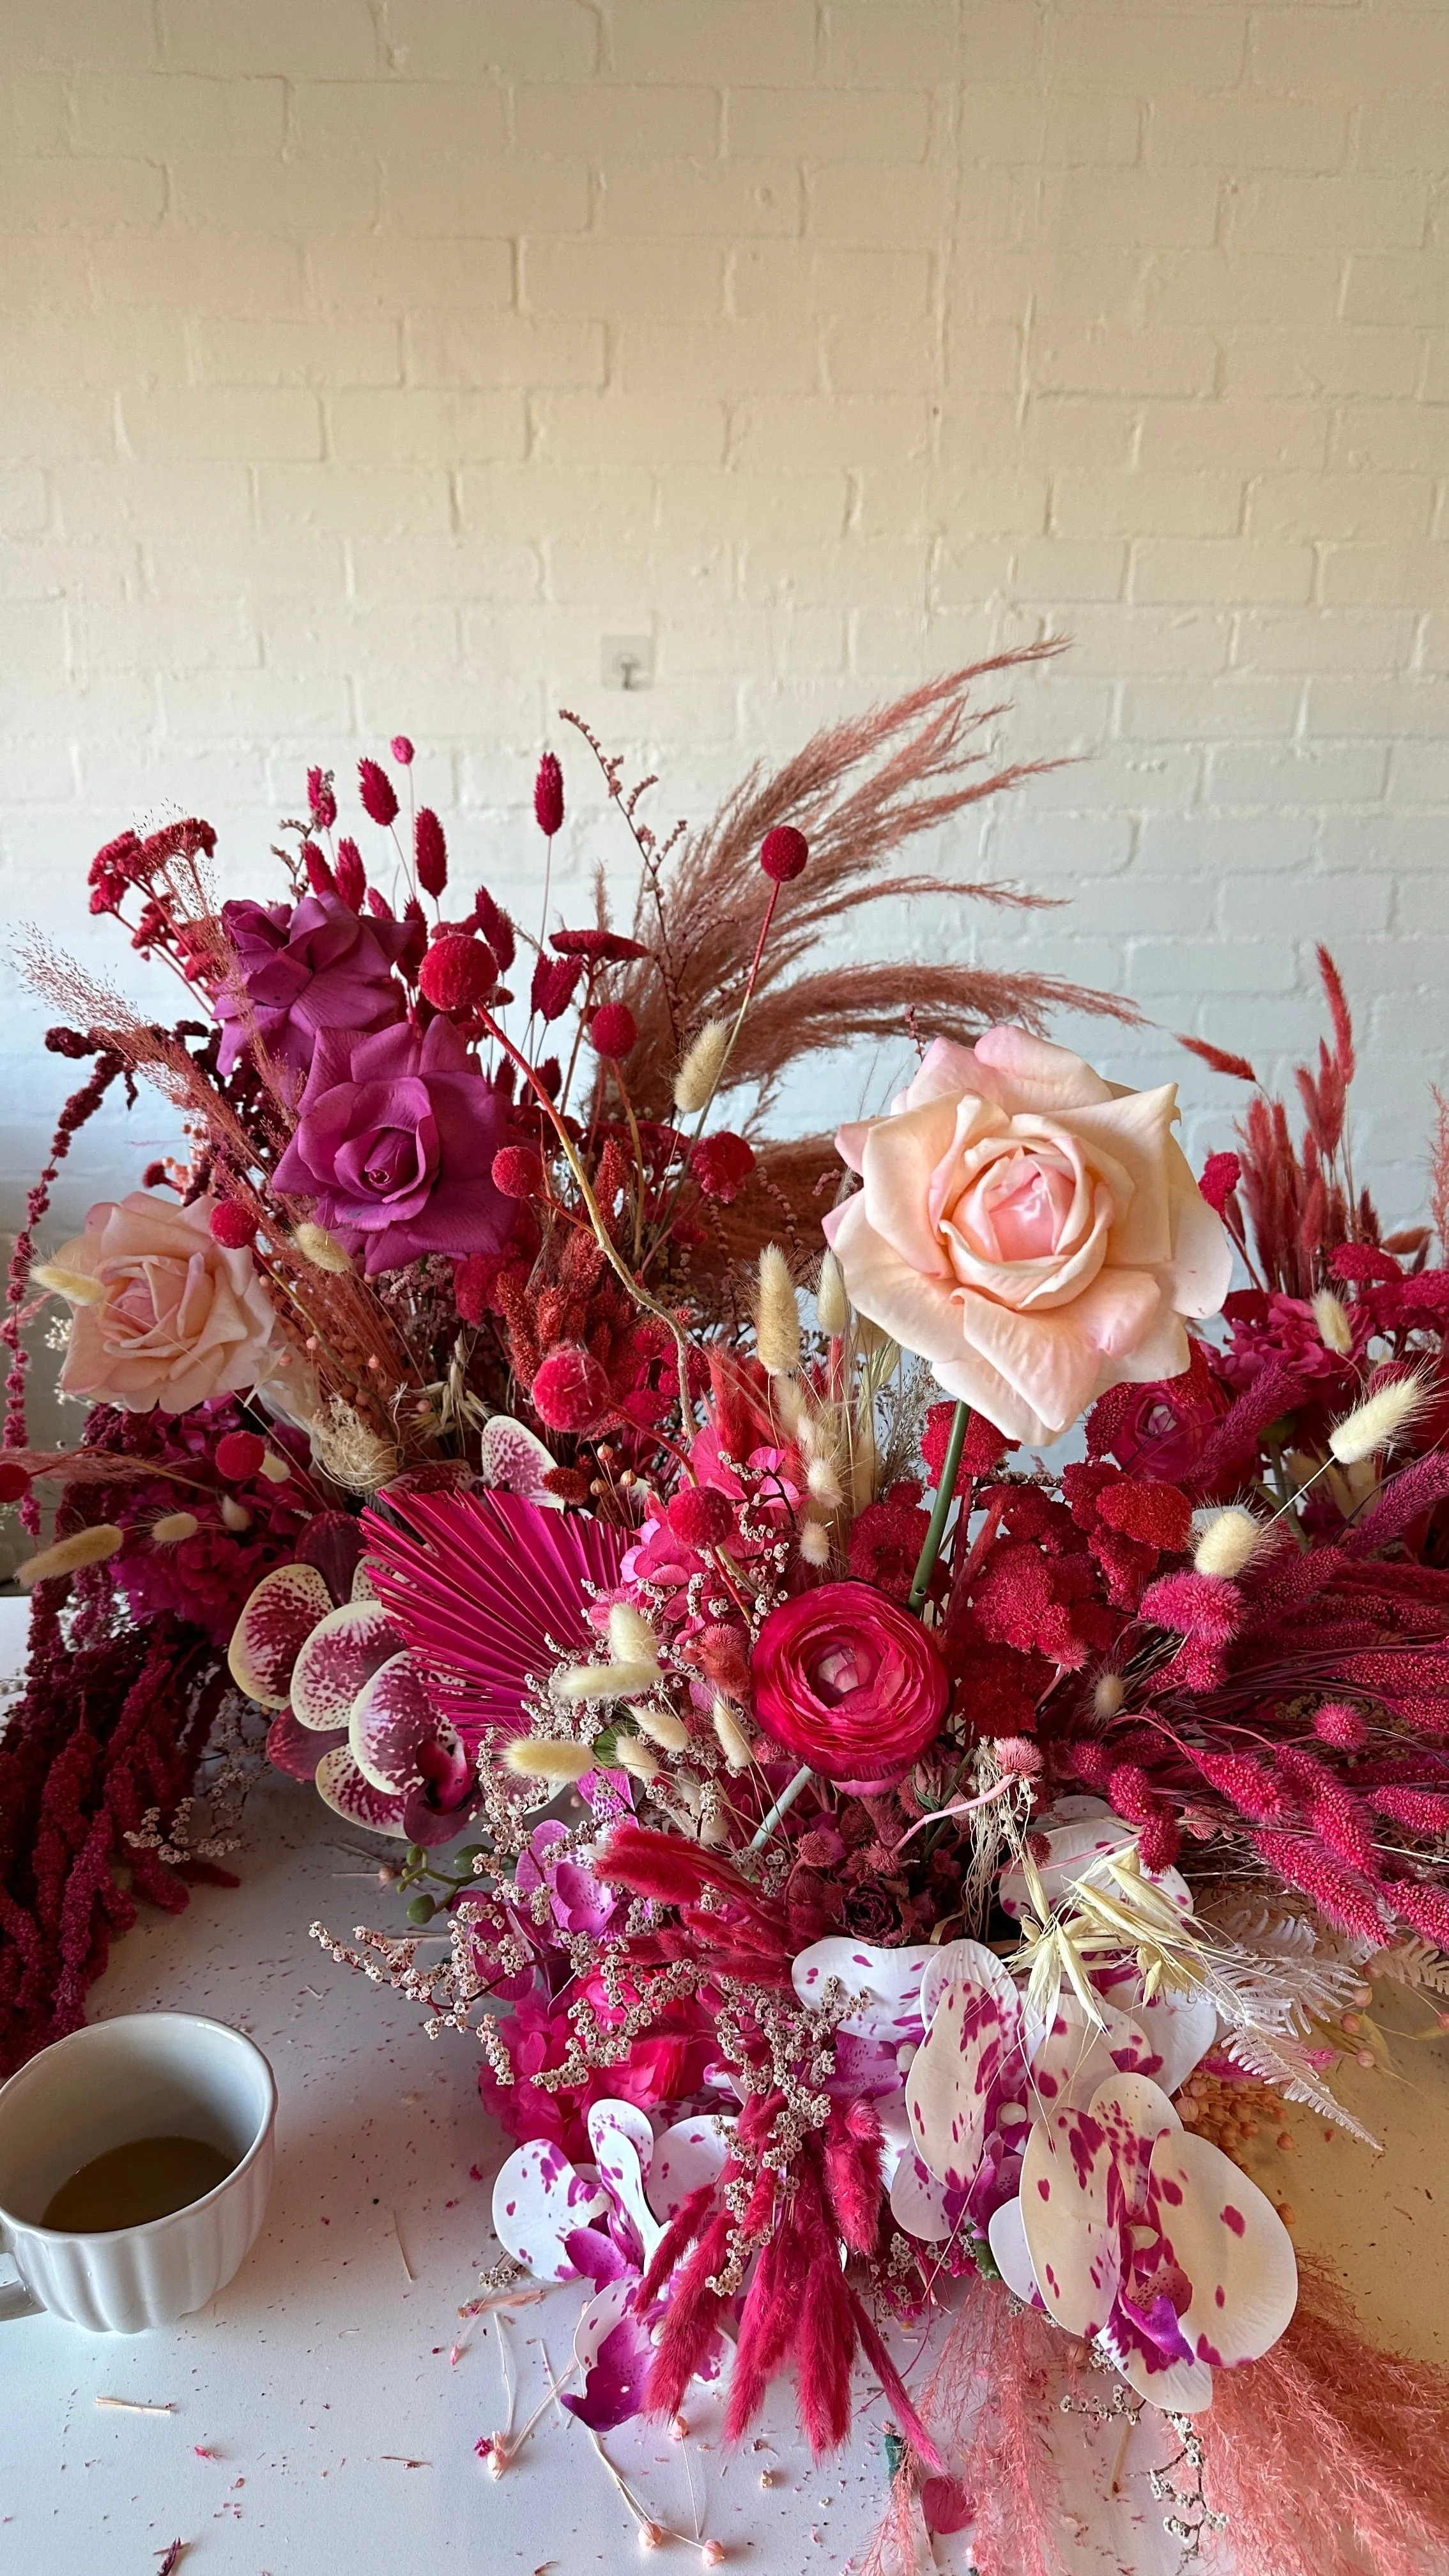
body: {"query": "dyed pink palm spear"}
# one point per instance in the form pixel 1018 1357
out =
pixel 488 1589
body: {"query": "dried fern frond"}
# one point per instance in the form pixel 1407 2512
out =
pixel 858 791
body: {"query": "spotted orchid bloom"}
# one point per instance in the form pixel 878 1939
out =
pixel 601 2223
pixel 354 1714
pixel 1147 2241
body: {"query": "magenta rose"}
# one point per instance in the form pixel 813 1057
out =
pixel 847 1682
pixel 395 1141
pixel 302 969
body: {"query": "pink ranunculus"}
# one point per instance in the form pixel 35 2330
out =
pixel 164 1317
pixel 303 968
pixel 396 1135
pixel 1032 1231
pixel 847 1682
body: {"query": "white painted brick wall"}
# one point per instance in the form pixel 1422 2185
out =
pixel 367 361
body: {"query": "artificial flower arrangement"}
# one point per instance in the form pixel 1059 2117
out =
pixel 877 1865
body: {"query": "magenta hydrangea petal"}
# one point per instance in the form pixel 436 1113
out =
pixel 341 1786
pixel 275 1623
pixel 342 1653
pixel 539 2199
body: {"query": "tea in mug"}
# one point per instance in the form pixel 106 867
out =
pixel 127 2186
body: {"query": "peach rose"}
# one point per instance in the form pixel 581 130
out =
pixel 163 1316
pixel 1031 1230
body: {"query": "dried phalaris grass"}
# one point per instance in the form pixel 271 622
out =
pixel 777 1315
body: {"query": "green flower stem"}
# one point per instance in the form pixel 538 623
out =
pixel 926 1562
pixel 782 1806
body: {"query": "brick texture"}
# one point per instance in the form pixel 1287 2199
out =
pixel 369 361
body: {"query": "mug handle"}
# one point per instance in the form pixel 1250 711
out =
pixel 15 2299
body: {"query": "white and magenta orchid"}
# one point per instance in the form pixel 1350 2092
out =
pixel 602 2224
pixel 1147 2241
pixel 354 1712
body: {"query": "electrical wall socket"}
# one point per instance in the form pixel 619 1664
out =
pixel 628 661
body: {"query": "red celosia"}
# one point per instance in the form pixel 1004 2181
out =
pixel 1220 1174
pixel 984 1446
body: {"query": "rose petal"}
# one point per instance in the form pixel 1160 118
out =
pixel 275 1623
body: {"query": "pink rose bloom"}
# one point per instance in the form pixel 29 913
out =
pixel 1029 1229
pixel 396 1134
pixel 846 1681
pixel 163 1317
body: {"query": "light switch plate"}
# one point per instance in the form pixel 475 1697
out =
pixel 628 661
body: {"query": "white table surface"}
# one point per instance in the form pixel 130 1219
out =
pixel 323 2357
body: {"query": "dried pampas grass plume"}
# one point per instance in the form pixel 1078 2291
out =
pixel 635 1758
pixel 832 1306
pixel 1228 1543
pixel 733 1742
pixel 83 1547
pixel 320 1250
pixel 1331 1316
pixel 777 1316
pixel 1375 1425
pixel 662 1728
pixel 540 1759
pixel 697 1080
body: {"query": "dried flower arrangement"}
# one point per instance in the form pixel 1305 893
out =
pixel 876 1865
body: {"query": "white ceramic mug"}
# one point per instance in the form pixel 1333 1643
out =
pixel 143 2075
